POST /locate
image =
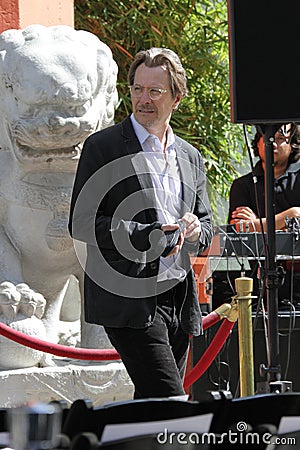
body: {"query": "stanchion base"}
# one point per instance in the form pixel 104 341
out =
pixel 265 387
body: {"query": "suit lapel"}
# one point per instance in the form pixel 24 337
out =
pixel 140 166
pixel 186 176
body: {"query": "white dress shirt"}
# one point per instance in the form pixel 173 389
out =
pixel 164 171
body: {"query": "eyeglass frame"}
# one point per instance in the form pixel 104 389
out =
pixel 282 139
pixel 148 90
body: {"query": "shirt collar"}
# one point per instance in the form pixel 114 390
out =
pixel 294 167
pixel 142 134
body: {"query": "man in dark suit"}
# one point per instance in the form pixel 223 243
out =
pixel 140 204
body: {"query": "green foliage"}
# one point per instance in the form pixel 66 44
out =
pixel 197 31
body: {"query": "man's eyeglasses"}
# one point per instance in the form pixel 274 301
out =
pixel 153 93
pixel 282 139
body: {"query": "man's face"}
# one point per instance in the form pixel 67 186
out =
pixel 282 147
pixel 154 115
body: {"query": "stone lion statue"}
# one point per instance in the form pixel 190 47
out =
pixel 57 86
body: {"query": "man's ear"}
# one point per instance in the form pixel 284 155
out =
pixel 177 101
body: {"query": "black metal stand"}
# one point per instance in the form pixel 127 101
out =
pixel 273 369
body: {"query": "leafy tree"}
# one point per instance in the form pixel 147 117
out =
pixel 197 31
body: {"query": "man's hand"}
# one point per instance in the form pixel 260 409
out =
pixel 244 219
pixel 178 246
pixel 280 218
pixel 191 231
pixel 293 212
pixel 242 213
pixel 192 227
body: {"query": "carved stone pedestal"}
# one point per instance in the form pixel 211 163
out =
pixel 101 382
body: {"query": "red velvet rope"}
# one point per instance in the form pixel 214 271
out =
pixel 209 354
pixel 209 320
pixel 111 354
pixel 57 349
pixel 72 352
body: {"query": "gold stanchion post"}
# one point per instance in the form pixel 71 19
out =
pixel 244 286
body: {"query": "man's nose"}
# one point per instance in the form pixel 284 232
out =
pixel 145 96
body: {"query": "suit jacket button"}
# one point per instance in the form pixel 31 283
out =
pixel 153 266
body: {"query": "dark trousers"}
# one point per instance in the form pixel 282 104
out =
pixel 155 357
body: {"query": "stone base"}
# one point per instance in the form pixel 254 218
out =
pixel 101 382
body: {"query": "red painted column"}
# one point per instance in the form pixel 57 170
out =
pixel 21 13
pixel 9 14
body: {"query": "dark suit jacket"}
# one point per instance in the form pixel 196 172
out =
pixel 113 212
